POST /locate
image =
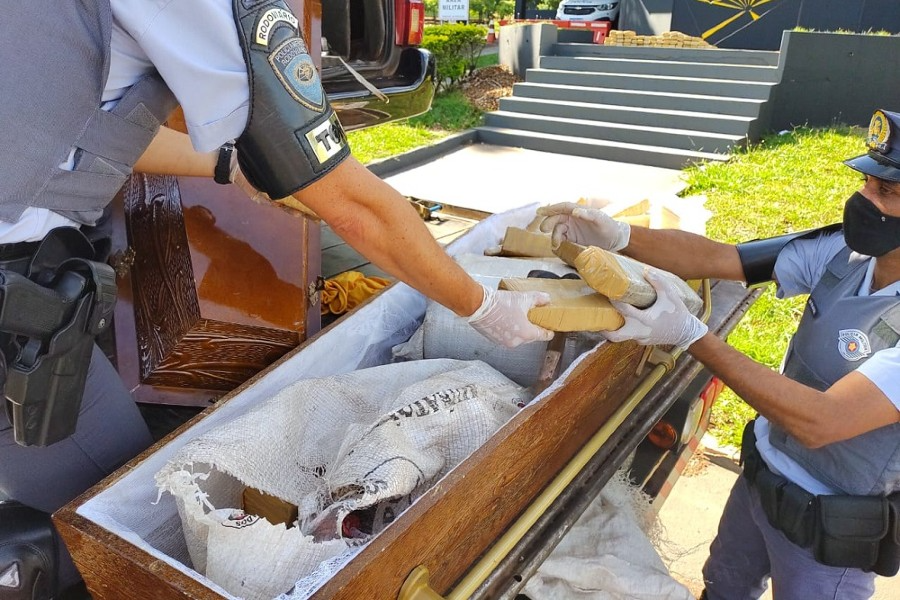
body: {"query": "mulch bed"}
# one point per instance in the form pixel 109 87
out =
pixel 485 86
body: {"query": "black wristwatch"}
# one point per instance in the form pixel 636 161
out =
pixel 222 174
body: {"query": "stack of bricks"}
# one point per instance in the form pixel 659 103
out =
pixel 669 39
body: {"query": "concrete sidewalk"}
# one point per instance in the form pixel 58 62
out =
pixel 493 179
pixel 691 514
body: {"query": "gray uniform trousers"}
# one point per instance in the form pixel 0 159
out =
pixel 110 432
pixel 747 551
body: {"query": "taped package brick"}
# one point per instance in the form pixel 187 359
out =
pixel 621 278
pixel 574 305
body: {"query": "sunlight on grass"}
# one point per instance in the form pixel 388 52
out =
pixel 389 139
pixel 449 113
pixel 487 60
pixel 786 183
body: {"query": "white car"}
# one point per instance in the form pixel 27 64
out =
pixel 587 10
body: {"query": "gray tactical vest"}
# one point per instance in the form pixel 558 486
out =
pixel 838 332
pixel 52 93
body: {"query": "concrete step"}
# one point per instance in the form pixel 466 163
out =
pixel 703 70
pixel 668 158
pixel 617 132
pixel 747 107
pixel 710 55
pixel 630 115
pixel 652 83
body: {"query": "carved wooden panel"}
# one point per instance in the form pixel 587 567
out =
pixel 213 287
pixel 165 305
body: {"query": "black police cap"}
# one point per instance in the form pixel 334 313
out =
pixel 883 158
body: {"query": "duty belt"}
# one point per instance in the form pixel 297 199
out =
pixel 860 532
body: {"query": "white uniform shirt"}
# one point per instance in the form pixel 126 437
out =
pixel 799 267
pixel 194 46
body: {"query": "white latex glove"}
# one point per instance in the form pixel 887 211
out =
pixel 667 322
pixel 503 317
pixel 570 222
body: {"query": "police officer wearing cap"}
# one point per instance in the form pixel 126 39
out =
pixel 818 508
pixel 78 116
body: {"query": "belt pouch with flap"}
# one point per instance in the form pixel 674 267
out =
pixel 796 515
pixel 850 530
pixel 889 553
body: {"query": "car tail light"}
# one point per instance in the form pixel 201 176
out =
pixel 409 19
pixel 663 435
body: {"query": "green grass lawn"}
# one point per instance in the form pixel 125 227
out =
pixel 449 113
pixel 785 183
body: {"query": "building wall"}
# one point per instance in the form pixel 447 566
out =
pixel 758 24
pixel 646 17
pixel 832 78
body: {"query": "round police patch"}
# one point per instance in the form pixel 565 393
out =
pixel 853 344
pixel 879 133
pixel 295 69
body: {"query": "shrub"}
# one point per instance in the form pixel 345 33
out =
pixel 456 48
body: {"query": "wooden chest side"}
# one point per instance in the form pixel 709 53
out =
pixel 109 565
pixel 451 525
pixel 447 529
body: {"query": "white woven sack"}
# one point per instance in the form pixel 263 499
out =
pixel 607 555
pixel 331 446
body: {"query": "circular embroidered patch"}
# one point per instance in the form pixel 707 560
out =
pixel 853 344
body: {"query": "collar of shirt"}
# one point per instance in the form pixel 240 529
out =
pixel 864 289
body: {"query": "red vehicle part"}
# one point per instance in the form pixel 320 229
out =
pixel 409 18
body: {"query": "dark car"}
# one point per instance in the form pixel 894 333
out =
pixel 375 40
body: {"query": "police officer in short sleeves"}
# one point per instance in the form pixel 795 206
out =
pixel 85 109
pixel 816 510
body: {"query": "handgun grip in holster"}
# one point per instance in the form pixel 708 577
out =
pixel 45 382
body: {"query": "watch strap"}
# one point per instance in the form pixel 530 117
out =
pixel 222 174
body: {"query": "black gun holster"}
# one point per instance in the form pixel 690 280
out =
pixel 29 553
pixel 49 316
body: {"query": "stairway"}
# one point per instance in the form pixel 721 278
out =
pixel 664 107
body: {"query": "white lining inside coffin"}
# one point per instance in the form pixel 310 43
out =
pixel 131 508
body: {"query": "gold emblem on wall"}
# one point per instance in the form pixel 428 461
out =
pixel 742 7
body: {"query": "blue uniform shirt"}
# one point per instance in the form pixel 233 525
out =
pixel 799 267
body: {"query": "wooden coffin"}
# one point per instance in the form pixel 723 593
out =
pixel 213 288
pixel 122 555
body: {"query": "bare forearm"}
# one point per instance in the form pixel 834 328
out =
pixel 685 254
pixel 381 225
pixel 171 153
pixel 815 418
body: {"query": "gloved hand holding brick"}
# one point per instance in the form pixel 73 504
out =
pixel 621 278
pixel 667 322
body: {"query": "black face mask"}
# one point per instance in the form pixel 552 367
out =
pixel 867 230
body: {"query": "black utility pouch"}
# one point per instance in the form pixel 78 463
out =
pixel 850 531
pixel 889 552
pixel 750 458
pixel 796 515
pixel 770 487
